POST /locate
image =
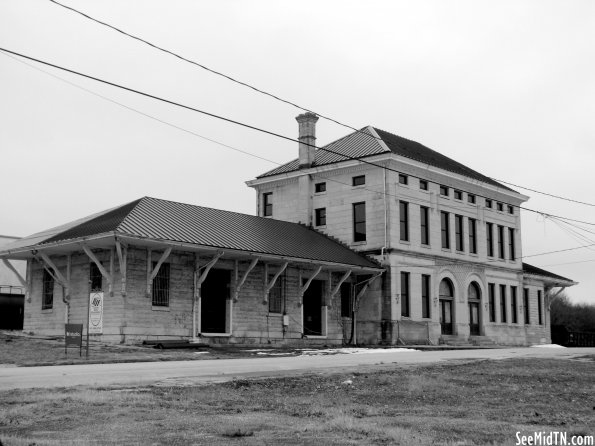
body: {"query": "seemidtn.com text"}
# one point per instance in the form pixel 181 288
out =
pixel 553 439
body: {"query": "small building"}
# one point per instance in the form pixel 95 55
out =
pixel 155 269
pixel 12 290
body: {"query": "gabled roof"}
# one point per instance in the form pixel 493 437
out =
pixel 364 143
pixel 535 271
pixel 162 220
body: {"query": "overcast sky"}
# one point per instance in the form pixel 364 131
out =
pixel 507 88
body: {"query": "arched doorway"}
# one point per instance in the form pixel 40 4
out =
pixel 474 301
pixel 446 293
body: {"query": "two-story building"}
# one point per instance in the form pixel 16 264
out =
pixel 449 236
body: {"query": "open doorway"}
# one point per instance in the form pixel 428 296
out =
pixel 214 302
pixel 312 309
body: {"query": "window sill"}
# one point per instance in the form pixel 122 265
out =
pixel 320 227
pixel 47 311
pixel 446 250
pixel 315 336
pixel 358 243
pixel 214 335
pixel 405 242
pixel 426 246
pixel 159 308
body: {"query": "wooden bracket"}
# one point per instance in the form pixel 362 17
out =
pixel 303 288
pixel 551 299
pixel 335 290
pixel 55 273
pixel 20 278
pixel 269 285
pixel 122 251
pixel 240 283
pixel 108 277
pixel 365 287
pixel 152 272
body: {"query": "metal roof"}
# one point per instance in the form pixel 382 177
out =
pixel 162 220
pixel 364 143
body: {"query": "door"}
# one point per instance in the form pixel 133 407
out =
pixel 474 318
pixel 446 316
pixel 213 304
pixel 312 309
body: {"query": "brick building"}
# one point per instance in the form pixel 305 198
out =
pixel 449 237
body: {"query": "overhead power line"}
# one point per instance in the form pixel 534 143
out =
pixel 258 129
pixel 264 92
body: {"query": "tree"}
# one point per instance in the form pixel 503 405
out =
pixel 572 316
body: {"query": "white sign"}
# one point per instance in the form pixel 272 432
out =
pixel 96 313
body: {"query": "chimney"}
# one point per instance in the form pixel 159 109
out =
pixel 307 138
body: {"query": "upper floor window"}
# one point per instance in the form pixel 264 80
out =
pixel 403 179
pixel 490 238
pixel 320 187
pixel 47 298
pixel 160 290
pixel 267 204
pixel 404 220
pixel 511 249
pixel 501 252
pixel 424 216
pixel 423 184
pixel 95 277
pixel 320 217
pixel 472 236
pixel 510 209
pixel 489 203
pixel 459 235
pixel 444 190
pixel 471 198
pixel 458 195
pixel 445 229
pixel 359 180
pixel 359 222
pixel 499 206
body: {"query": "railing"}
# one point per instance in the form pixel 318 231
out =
pixel 9 289
pixel 572 338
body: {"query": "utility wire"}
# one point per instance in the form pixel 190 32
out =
pixel 258 129
pixel 559 250
pixel 244 84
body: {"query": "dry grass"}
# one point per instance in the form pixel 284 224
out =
pixel 482 402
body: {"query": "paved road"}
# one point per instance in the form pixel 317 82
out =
pixel 203 371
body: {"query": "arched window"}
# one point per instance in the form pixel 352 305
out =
pixel 474 292
pixel 446 289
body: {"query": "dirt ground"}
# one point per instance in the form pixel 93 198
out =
pixel 456 403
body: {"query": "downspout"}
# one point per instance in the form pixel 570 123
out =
pixel 385 246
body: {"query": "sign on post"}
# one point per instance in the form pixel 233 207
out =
pixel 96 313
pixel 73 336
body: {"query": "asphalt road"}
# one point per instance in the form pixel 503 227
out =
pixel 217 370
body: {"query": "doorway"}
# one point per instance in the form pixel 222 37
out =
pixel 446 293
pixel 474 300
pixel 213 303
pixel 312 308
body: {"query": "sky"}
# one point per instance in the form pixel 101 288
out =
pixel 507 88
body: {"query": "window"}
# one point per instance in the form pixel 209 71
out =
pixel 346 299
pixel 490 238
pixel 459 236
pixel 320 187
pixel 539 308
pixel 160 291
pixel 404 220
pixel 502 303
pixel 360 180
pixel 501 242
pixel 403 179
pixel 405 294
pixel 444 190
pixel 423 184
pixel 47 298
pixel 499 206
pixel 425 224
pixel 492 301
pixel 458 195
pixel 526 305
pixel 472 236
pixel 510 209
pixel 359 222
pixel 320 216
pixel 95 277
pixel 511 253
pixel 445 229
pixel 276 294
pixel 489 203
pixel 513 306
pixel 425 296
pixel 267 204
pixel 471 198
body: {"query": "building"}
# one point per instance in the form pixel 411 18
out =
pixel 449 237
pixel 155 269
pixel 12 291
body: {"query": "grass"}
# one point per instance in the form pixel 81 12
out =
pixel 474 403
